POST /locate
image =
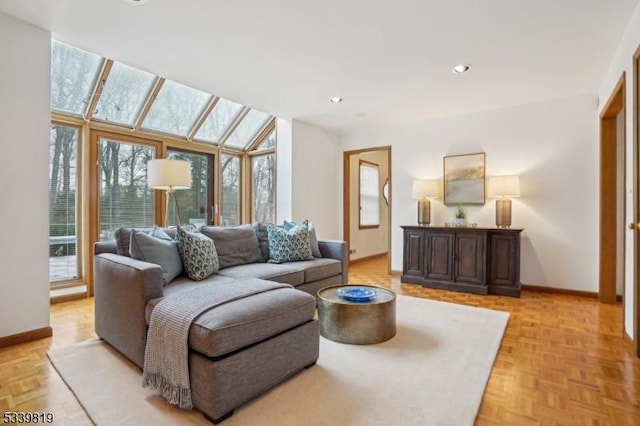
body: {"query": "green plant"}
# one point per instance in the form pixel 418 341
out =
pixel 461 213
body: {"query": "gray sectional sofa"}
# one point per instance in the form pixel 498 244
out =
pixel 237 350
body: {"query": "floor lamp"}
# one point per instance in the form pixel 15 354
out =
pixel 503 187
pixel 169 175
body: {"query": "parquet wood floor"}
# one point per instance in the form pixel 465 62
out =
pixel 562 360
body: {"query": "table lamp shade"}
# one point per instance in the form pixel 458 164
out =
pixel 168 174
pixel 424 189
pixel 504 186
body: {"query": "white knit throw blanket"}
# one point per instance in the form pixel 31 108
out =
pixel 166 358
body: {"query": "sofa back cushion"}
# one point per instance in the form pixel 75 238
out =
pixel 260 229
pixel 237 245
pixel 123 238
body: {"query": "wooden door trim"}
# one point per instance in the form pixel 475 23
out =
pixel 346 195
pixel 608 193
pixel 636 200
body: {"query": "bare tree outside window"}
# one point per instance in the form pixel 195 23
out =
pixel 195 200
pixel 125 199
pixel 63 150
pixel 263 201
pixel 73 74
pixel 230 190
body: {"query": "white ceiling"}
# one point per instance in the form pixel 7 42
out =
pixel 390 60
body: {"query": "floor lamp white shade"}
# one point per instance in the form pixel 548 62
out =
pixel 504 187
pixel 422 190
pixel 169 175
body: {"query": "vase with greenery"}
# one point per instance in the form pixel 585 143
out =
pixel 460 217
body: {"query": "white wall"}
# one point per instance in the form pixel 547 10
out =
pixel 623 63
pixel 316 184
pixel 24 135
pixel 368 242
pixel 284 170
pixel 551 145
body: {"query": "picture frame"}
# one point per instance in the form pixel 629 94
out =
pixel 464 179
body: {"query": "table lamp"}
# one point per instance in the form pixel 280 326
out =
pixel 423 190
pixel 504 187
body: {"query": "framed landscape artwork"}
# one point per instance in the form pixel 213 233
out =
pixel 464 179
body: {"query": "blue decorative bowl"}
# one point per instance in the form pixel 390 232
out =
pixel 357 294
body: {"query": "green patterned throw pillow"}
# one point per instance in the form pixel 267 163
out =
pixel 198 253
pixel 291 245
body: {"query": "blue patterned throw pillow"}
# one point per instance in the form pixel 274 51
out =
pixel 313 238
pixel 291 245
pixel 198 253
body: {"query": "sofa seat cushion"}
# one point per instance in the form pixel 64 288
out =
pixel 240 323
pixel 317 269
pixel 282 273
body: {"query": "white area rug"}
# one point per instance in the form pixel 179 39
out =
pixel 433 372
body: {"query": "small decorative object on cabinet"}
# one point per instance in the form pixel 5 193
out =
pixel 472 260
pixel 460 218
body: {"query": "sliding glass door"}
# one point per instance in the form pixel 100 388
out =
pixel 124 198
pixel 196 203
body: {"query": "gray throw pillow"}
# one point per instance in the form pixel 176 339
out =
pixel 237 245
pixel 159 249
pixel 123 237
pixel 289 246
pixel 313 238
pixel 198 253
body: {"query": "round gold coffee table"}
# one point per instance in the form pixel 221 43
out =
pixel 358 323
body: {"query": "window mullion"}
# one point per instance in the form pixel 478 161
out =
pixel 147 104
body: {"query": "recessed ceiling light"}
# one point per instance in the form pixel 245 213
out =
pixel 459 69
pixel 136 1
pixel 336 99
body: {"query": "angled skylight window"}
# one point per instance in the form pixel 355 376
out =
pixel 248 129
pixel 123 95
pixel 218 121
pixel 175 109
pixel 73 76
pixel 268 143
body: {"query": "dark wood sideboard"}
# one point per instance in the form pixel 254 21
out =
pixel 472 260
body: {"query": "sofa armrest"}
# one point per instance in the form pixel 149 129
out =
pixel 335 249
pixel 122 287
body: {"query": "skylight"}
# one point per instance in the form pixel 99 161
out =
pixel 176 109
pixel 123 95
pixel 218 121
pixel 126 95
pixel 247 130
pixel 73 75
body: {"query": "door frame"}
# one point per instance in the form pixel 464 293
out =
pixel 608 192
pixel 636 199
pixel 346 197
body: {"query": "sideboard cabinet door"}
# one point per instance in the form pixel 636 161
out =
pixel 504 263
pixel 469 257
pixel 439 255
pixel 413 262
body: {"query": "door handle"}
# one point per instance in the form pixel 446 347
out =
pixel 633 226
